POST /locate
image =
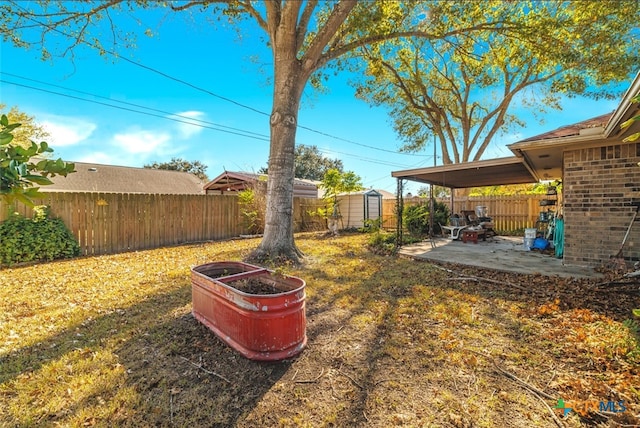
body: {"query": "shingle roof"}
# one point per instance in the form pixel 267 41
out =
pixel 237 181
pixel 573 129
pixel 92 177
pixel 230 181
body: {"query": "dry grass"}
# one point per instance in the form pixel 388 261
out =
pixel 110 341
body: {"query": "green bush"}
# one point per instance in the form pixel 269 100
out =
pixel 253 202
pixel 382 243
pixel 371 226
pixel 415 218
pixel 385 243
pixel 37 239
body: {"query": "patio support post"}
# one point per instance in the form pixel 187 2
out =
pixel 431 213
pixel 452 199
pixel 399 208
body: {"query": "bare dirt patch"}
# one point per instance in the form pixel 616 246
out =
pixel 110 341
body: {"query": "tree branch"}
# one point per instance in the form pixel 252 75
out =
pixel 313 57
pixel 377 38
pixel 303 24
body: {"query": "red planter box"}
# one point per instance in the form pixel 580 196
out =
pixel 265 327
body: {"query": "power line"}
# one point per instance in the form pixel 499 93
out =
pixel 362 158
pixel 198 88
pixel 135 105
pixel 136 111
pixel 172 116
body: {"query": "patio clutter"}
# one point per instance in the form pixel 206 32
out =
pixel 480 219
pixel 470 226
pixel 472 235
pixel 529 237
pixel 456 225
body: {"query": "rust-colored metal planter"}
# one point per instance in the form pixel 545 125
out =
pixel 266 327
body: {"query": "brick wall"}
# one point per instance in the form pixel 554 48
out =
pixel 600 184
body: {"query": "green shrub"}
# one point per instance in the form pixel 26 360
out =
pixel 384 243
pixel 37 239
pixel 252 207
pixel 415 218
pixel 371 225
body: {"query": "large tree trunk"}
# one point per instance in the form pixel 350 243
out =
pixel 277 243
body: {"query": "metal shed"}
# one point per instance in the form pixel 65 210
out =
pixel 356 207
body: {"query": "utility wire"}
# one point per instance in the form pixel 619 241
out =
pixel 362 158
pixel 173 116
pixel 198 88
pixel 134 105
pixel 189 121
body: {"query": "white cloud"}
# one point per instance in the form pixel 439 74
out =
pixel 66 130
pixel 185 128
pixel 142 143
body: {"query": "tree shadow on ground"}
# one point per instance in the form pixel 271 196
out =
pixel 391 342
pixel 176 371
pixel 412 343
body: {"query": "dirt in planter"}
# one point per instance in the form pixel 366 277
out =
pixel 217 272
pixel 257 286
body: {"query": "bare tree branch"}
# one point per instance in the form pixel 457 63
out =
pixel 303 24
pixel 313 58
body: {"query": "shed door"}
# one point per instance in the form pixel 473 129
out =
pixel 372 207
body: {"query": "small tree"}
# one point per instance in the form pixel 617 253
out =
pixel 18 174
pixel 333 184
pixel 253 203
pixel 29 128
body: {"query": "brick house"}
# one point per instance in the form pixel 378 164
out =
pixel 600 175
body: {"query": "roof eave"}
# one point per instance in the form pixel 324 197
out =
pixel 618 115
pixel 554 142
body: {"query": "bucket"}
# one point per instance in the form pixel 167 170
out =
pixel 530 233
pixel 528 243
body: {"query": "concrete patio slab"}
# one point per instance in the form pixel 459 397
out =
pixel 504 253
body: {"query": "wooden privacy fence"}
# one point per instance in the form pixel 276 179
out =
pixel 509 213
pixel 106 223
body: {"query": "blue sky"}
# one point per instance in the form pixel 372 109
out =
pixel 227 65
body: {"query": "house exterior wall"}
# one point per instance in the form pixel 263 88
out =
pixel 600 185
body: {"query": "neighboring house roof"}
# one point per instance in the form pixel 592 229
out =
pixel 93 177
pixel 386 195
pixel 230 181
pixel 536 158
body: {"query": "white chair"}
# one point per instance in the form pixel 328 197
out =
pixel 457 226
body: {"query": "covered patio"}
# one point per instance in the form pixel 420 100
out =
pixel 503 253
